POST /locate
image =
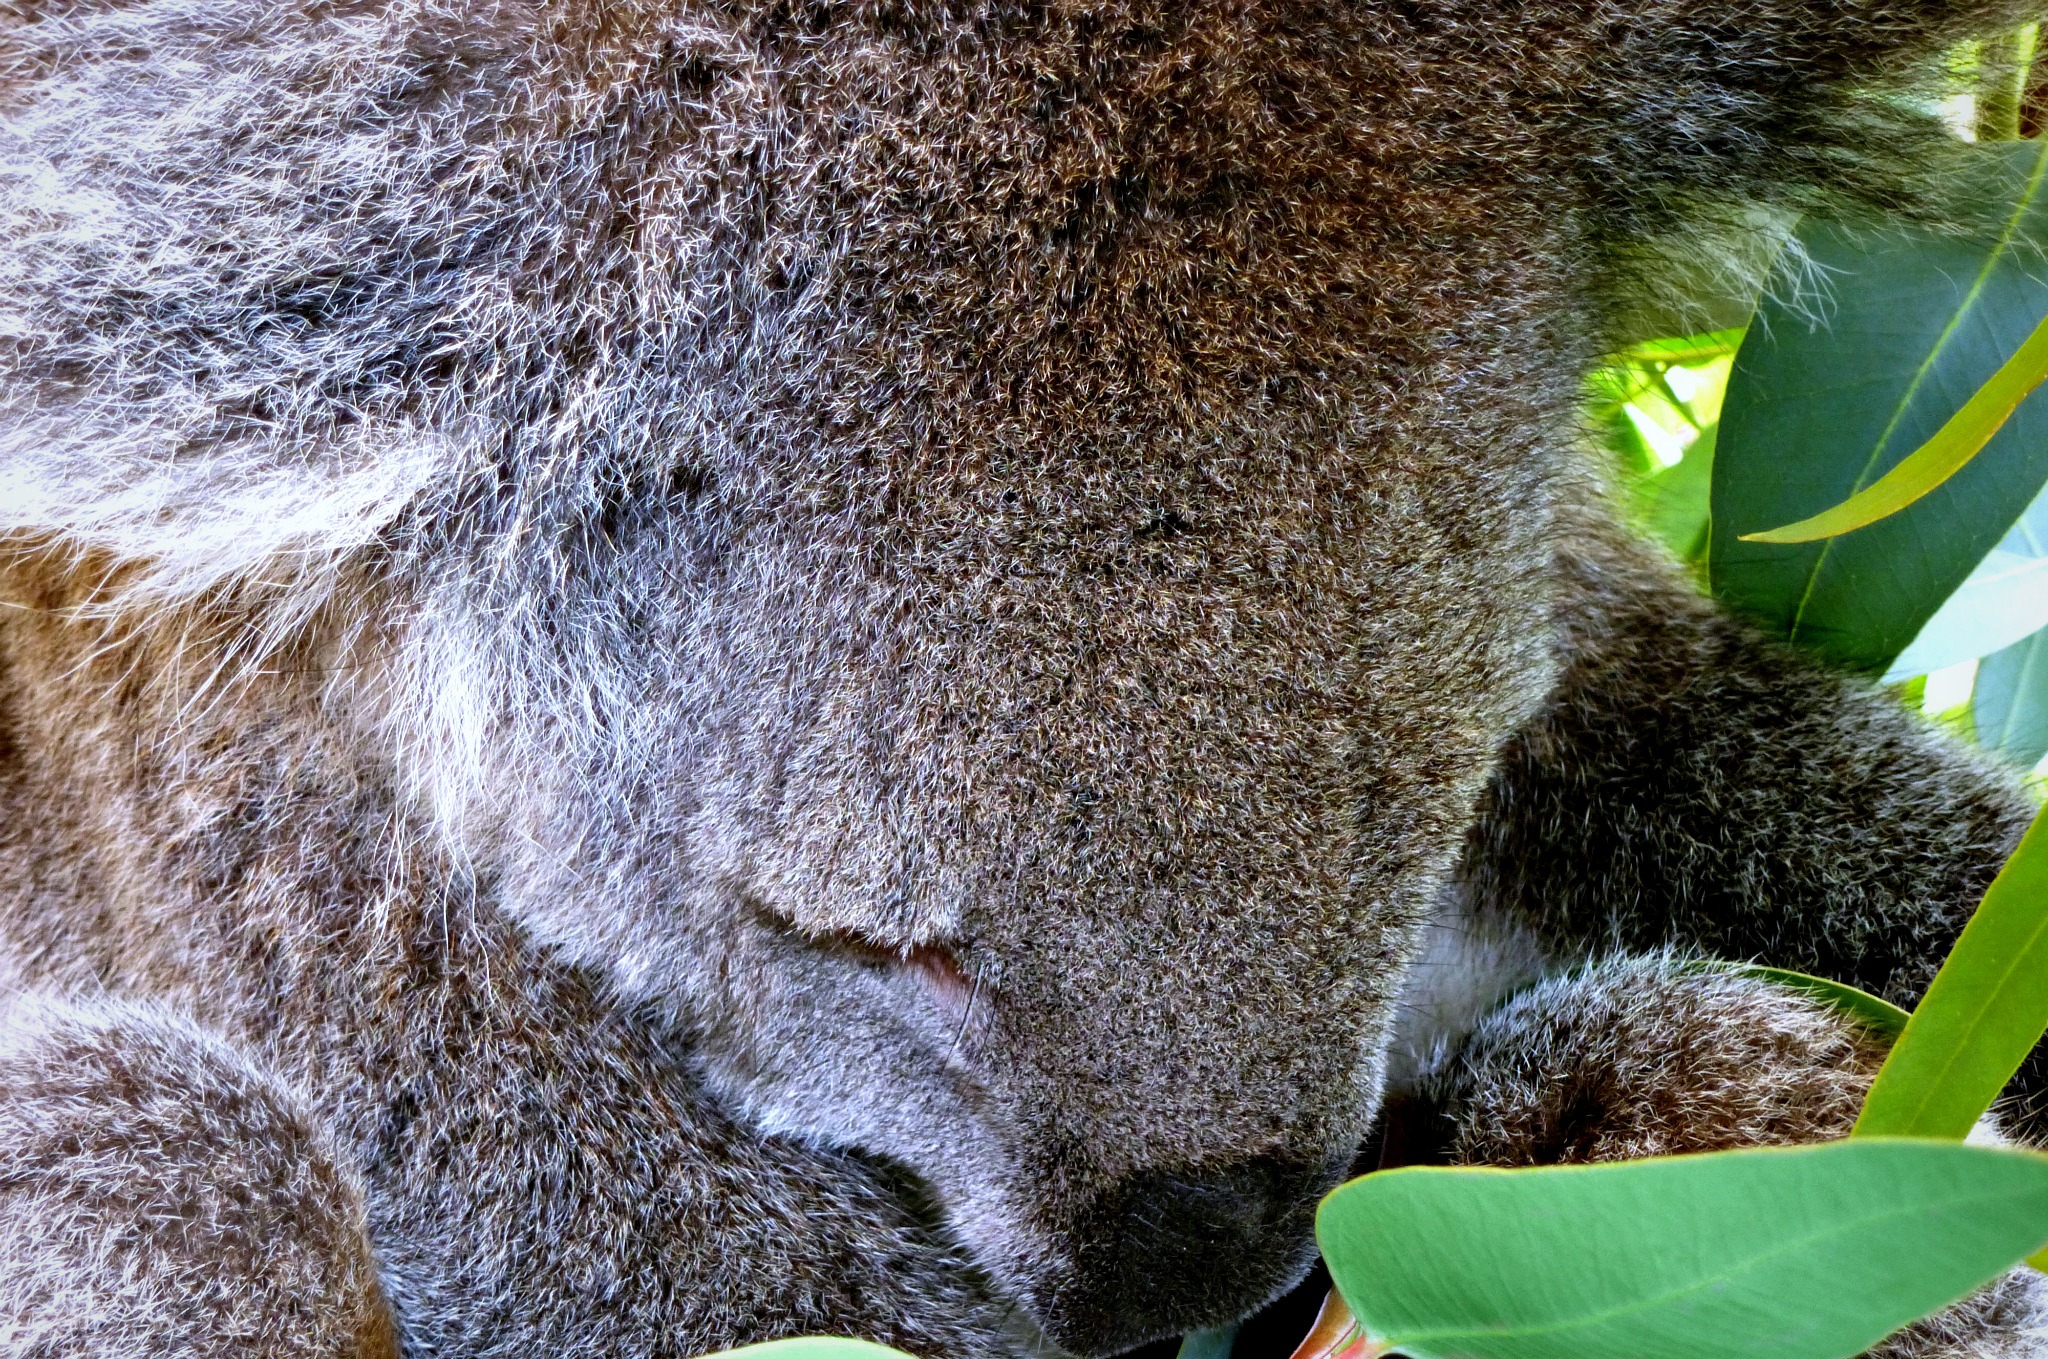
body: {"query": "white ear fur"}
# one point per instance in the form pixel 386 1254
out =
pixel 121 204
pixel 137 462
pixel 193 521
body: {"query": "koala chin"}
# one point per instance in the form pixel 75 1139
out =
pixel 675 672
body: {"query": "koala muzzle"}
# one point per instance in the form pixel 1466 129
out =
pixel 1161 1253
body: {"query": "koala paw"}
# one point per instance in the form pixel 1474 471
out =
pixel 160 1195
pixel 1651 1056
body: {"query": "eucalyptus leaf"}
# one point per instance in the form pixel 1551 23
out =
pixel 2010 700
pixel 1873 1012
pixel 1673 503
pixel 2003 601
pixel 2003 66
pixel 1685 348
pixel 1823 401
pixel 1336 1334
pixel 1947 451
pixel 813 1347
pixel 1214 1343
pixel 1810 1252
pixel 1982 1015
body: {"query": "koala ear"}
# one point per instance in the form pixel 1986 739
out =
pixel 186 518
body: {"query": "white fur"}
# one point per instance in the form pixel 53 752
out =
pixel 1468 962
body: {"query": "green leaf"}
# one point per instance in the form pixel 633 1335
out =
pixel 1878 1015
pixel 1609 391
pixel 2003 64
pixel 1779 1253
pixel 1673 503
pixel 1983 1014
pixel 1818 409
pixel 1946 453
pixel 1685 348
pixel 1214 1343
pixel 2011 700
pixel 2004 601
pixel 813 1347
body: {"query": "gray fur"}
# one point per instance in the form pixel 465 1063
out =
pixel 1654 1056
pixel 160 1197
pixel 810 664
pixel 1690 785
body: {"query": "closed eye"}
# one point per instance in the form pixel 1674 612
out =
pixel 935 965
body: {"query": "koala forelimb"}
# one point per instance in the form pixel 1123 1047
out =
pixel 775 666
pixel 1690 783
pixel 1652 1055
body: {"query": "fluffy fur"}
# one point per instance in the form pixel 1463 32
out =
pixel 810 665
pixel 1656 1056
pixel 160 1196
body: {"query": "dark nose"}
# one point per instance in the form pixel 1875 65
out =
pixel 1161 1253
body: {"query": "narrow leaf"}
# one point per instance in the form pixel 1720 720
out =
pixel 2010 700
pixel 1983 1014
pixel 1812 1252
pixel 1878 1015
pixel 1935 461
pixel 1835 384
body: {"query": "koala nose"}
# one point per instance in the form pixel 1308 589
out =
pixel 1163 1253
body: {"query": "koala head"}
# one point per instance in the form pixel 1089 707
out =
pixel 977 560
pixel 992 828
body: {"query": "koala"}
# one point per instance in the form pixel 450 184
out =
pixel 1653 1056
pixel 675 672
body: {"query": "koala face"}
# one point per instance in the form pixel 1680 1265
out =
pixel 978 558
pixel 1056 830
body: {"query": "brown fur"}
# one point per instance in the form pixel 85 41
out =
pixel 811 666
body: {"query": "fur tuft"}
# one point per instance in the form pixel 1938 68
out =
pixel 807 666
